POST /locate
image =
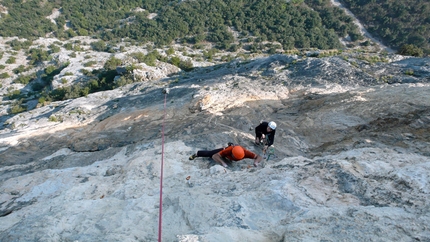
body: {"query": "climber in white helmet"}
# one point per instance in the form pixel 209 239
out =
pixel 265 134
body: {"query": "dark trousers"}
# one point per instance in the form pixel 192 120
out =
pixel 208 153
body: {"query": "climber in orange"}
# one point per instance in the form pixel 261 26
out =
pixel 232 153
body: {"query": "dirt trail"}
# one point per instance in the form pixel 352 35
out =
pixel 361 27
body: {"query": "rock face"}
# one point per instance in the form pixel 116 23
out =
pixel 351 157
pixel 144 72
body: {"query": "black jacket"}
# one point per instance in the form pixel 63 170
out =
pixel 262 129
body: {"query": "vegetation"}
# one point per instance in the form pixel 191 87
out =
pixel 17 107
pixel 11 60
pixel 411 50
pixel 99 80
pixel 397 23
pixel 255 25
pixel 4 75
pixel 293 24
pixel 24 79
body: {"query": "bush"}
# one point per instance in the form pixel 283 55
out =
pixel 4 75
pixel 54 48
pixel 41 100
pixel 38 56
pixel 99 46
pixel 85 72
pixel 175 61
pixel 409 72
pixel 19 69
pixel 68 46
pixel 24 79
pixel 186 65
pixel 411 50
pixel 14 94
pixel 112 63
pixel 90 63
pixel 52 118
pixel 122 81
pixel 170 51
pixel 17 108
pixel 148 59
pixel 50 69
pixel 11 60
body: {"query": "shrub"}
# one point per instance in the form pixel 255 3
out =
pixel 52 118
pixel 17 108
pixel 409 72
pixel 24 79
pixel 54 48
pixel 410 50
pixel 4 75
pixel 68 46
pixel 175 61
pixel 41 100
pixel 50 69
pixel 19 69
pixel 14 94
pixel 122 81
pixel 90 63
pixel 186 65
pixel 99 46
pixel 11 60
pixel 170 51
pixel 112 63
pixel 85 72
pixel 38 56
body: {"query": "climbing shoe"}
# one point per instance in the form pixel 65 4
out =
pixel 192 157
pixel 230 144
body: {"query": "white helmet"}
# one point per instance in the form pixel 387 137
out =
pixel 272 125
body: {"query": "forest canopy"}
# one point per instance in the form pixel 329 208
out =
pixel 294 24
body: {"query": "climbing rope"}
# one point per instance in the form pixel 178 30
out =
pixel 160 212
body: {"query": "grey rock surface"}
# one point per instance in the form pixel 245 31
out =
pixel 351 157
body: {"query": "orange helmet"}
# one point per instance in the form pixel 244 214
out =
pixel 238 152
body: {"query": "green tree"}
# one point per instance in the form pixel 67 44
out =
pixel 99 46
pixel 410 50
pixel 112 63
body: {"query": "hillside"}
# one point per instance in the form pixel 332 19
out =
pixel 227 24
pixel 397 23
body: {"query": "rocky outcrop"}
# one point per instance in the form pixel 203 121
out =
pixel 144 72
pixel 351 156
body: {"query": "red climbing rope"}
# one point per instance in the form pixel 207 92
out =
pixel 160 213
